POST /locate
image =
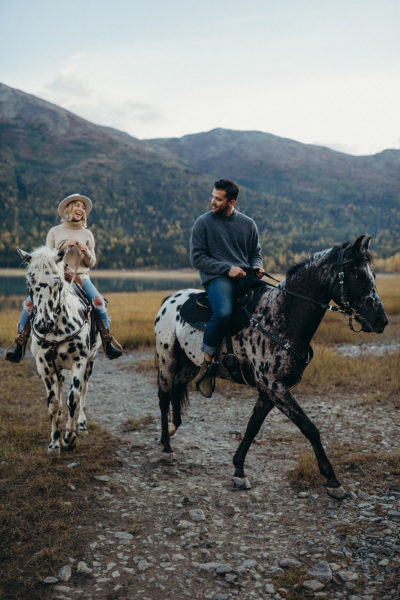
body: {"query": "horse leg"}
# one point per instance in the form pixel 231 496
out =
pixel 177 396
pixel 164 402
pixel 73 400
pixel 287 404
pixel 54 405
pixel 82 427
pixel 260 411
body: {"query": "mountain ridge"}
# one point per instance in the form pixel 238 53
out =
pixel 146 197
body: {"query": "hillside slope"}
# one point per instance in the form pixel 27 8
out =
pixel 147 193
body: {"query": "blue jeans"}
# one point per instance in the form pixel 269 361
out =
pixel 90 291
pixel 220 294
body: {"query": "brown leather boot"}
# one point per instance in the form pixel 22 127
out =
pixel 205 382
pixel 107 339
pixel 17 353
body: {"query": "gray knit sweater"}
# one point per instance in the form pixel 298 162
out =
pixel 219 242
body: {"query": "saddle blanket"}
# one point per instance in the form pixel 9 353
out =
pixel 197 312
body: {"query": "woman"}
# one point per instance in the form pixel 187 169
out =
pixel 78 242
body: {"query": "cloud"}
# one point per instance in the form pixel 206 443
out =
pixel 101 104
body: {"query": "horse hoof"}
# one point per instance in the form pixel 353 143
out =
pixel 53 452
pixel 168 457
pixel 171 429
pixel 82 429
pixel 69 447
pixel 241 483
pixel 338 493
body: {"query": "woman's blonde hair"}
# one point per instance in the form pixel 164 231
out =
pixel 67 215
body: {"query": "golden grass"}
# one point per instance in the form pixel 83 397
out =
pixel 291 580
pixel 136 423
pixel 132 317
pixel 376 376
pixel 43 501
pixel 370 468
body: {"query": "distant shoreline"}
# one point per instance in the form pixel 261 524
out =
pixel 118 273
pixel 188 274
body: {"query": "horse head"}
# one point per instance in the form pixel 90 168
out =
pixel 45 281
pixel 354 284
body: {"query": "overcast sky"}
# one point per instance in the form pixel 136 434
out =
pixel 317 71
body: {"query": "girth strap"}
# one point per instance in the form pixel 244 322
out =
pixel 283 343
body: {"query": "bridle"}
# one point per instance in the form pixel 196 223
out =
pixel 344 307
pixel 55 343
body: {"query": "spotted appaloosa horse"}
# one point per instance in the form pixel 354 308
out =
pixel 60 340
pixel 342 273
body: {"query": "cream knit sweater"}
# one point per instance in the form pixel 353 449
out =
pixel 58 237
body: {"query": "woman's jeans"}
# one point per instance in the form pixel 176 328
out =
pixel 220 295
pixel 90 291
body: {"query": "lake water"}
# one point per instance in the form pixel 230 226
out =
pixel 11 286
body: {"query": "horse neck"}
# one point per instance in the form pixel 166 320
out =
pixel 303 317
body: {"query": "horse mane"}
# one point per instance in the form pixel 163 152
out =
pixel 44 257
pixel 294 269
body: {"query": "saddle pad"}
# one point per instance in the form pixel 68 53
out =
pixel 197 312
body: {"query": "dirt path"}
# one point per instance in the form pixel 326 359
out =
pixel 182 531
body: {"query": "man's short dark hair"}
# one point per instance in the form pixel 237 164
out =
pixel 229 187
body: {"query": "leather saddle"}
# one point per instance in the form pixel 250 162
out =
pixel 197 311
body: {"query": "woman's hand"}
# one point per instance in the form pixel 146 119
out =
pixel 82 247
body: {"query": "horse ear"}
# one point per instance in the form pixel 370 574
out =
pixel 361 244
pixel 366 243
pixel 59 256
pixel 26 257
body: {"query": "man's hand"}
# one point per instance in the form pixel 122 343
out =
pixel 236 273
pixel 259 272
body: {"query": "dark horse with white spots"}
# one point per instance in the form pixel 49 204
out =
pixel 60 340
pixel 290 314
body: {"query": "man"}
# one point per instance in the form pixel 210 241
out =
pixel 224 242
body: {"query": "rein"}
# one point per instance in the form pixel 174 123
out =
pixel 345 309
pixel 73 275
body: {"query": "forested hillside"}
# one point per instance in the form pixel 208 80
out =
pixel 147 194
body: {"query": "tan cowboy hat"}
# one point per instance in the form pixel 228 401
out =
pixel 64 203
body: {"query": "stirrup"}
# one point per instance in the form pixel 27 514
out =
pixel 115 348
pixel 205 382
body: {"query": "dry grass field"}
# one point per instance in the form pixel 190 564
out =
pixel 43 505
pixel 132 317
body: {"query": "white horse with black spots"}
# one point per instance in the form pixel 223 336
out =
pixel 273 349
pixel 60 340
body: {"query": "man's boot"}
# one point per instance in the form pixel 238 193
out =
pixel 17 353
pixel 107 340
pixel 205 382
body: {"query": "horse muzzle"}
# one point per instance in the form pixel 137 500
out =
pixel 376 324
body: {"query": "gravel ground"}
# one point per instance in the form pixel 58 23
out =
pixel 182 531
